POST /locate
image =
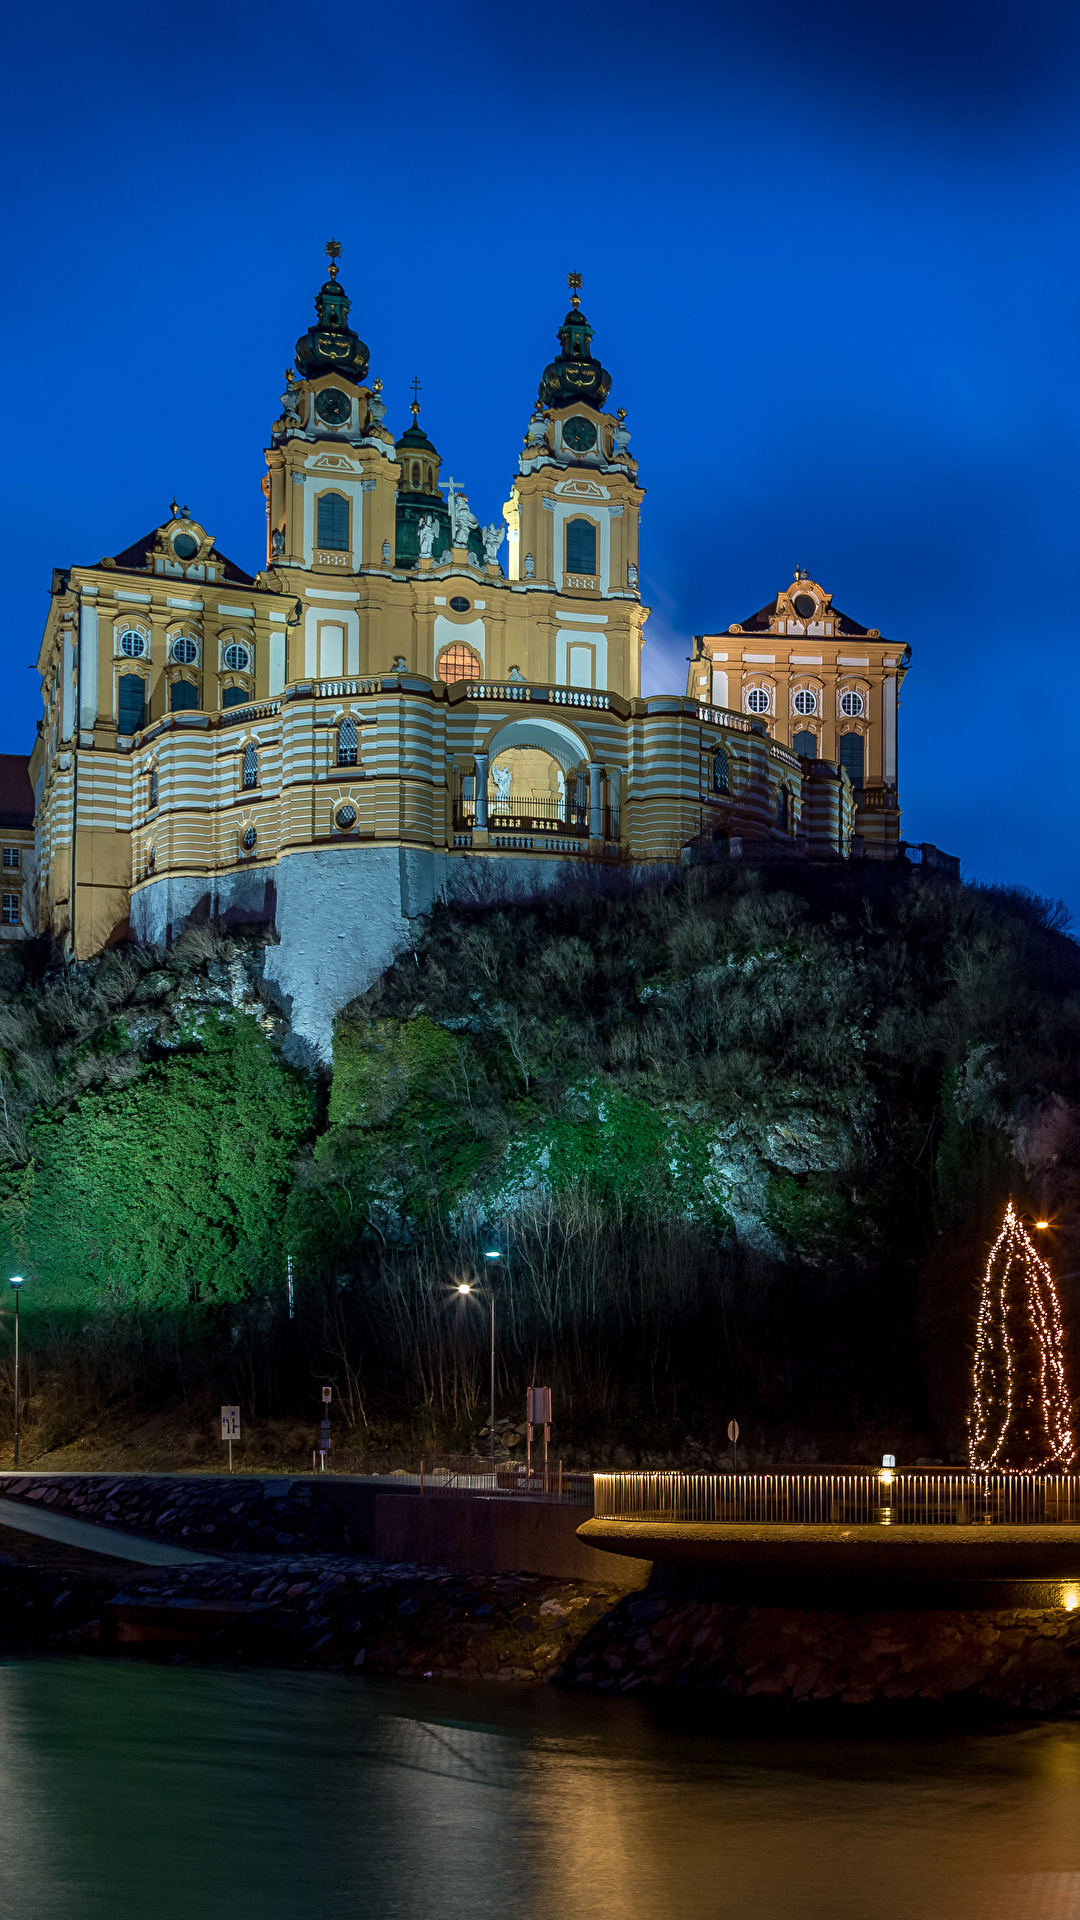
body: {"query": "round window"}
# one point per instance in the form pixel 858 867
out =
pixel 458 663
pixel 248 839
pixel 133 643
pixel 805 701
pixel 184 546
pixel 852 704
pixel 345 817
pixel 805 605
pixel 185 651
pixel 459 605
pixel 237 658
pixel 757 700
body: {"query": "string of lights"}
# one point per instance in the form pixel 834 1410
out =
pixel 1021 1413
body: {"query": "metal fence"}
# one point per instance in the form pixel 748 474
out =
pixel 869 1497
pixel 514 1481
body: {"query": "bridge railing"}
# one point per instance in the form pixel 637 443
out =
pixel 859 1497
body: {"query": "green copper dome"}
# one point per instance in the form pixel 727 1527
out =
pixel 576 374
pixel 331 346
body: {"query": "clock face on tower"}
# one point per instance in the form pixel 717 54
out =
pixel 333 406
pixel 579 434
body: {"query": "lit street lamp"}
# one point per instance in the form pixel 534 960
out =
pixel 467 1287
pixel 16 1282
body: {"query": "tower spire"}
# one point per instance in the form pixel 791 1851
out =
pixel 573 281
pixel 414 404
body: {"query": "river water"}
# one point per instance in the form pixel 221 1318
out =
pixel 145 1792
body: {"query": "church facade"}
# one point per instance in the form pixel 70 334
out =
pixel 403 703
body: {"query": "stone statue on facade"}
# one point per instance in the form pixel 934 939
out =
pixel 632 575
pixel 463 520
pixel 536 432
pixel 493 538
pixel 426 532
pixel 502 778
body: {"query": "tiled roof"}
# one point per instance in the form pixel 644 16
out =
pixel 134 559
pixel 16 793
pixel 760 621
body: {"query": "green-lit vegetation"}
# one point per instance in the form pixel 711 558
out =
pixel 740 1139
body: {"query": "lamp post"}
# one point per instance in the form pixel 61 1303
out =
pixel 16 1282
pixel 492 1255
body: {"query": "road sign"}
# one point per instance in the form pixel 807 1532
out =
pixel 539 1407
pixel 326 1393
pixel 230 1428
pixel 733 1431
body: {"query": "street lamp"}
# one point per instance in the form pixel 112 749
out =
pixel 16 1282
pixel 467 1287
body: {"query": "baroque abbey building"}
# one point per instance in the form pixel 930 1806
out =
pixel 404 703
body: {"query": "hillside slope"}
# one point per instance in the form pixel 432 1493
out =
pixel 739 1142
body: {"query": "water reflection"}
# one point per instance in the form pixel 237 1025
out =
pixel 132 1792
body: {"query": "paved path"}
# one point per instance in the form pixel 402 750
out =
pixel 93 1539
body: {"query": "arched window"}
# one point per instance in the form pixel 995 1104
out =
pixel 153 786
pixel 130 703
pixel 183 696
pixel 782 808
pixel 458 663
pixel 721 771
pixel 851 757
pixel 333 521
pixel 251 766
pixel 806 744
pixel 235 697
pixel 580 546
pixel 416 476
pixel 347 744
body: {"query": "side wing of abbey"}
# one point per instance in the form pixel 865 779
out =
pixel 404 704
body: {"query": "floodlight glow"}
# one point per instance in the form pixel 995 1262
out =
pixel 16 1280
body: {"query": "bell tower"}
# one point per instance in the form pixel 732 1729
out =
pixel 332 473
pixel 574 508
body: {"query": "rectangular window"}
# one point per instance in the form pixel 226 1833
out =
pixel 11 913
pixel 13 856
pixel 131 703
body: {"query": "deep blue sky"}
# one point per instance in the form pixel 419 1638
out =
pixel 830 253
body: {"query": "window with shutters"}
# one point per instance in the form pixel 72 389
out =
pixel 235 697
pixel 183 696
pixel 805 743
pixel 851 757
pixel 580 546
pixel 130 702
pixel 333 521
pixel 251 766
pixel 347 744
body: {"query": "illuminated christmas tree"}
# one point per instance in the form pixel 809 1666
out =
pixel 1021 1418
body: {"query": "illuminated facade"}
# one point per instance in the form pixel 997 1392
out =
pixel 391 709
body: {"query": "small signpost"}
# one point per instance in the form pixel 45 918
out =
pixel 733 1436
pixel 537 1414
pixel 324 1430
pixel 230 1428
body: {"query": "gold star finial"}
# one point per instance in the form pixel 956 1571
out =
pixel 172 507
pixel 573 281
pixel 333 254
pixel 414 404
